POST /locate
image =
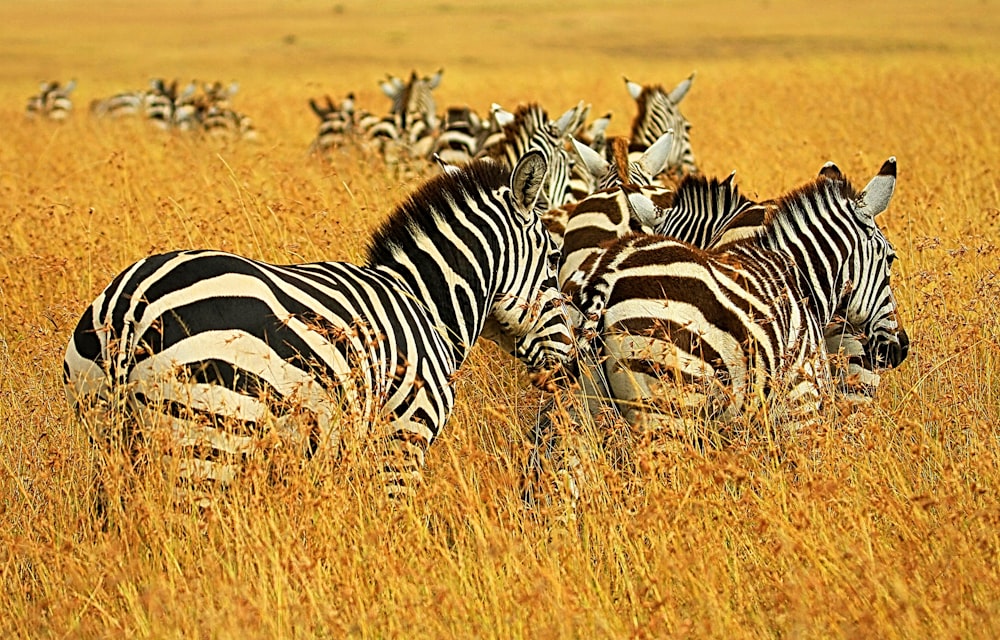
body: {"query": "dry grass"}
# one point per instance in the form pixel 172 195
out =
pixel 892 533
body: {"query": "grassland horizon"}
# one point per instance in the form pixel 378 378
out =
pixel 890 530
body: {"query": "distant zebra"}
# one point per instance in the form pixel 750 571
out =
pixel 156 104
pixel 160 105
pixel 688 333
pixel 52 102
pixel 408 131
pixel 210 112
pixel 336 124
pixel 658 113
pixel 217 350
pixel 462 131
pixel 226 123
pixel 531 129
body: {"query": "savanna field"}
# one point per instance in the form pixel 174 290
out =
pixel 889 528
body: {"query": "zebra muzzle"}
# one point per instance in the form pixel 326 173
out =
pixel 890 355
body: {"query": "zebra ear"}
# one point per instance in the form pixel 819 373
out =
pixel 831 171
pixel 876 196
pixel 501 116
pixel 392 87
pixel 444 165
pixel 435 80
pixel 596 165
pixel 654 160
pixel 569 121
pixel 634 89
pixel 645 211
pixel 526 182
pixel 599 126
pixel 681 89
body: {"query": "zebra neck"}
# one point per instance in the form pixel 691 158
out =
pixel 456 305
pixel 818 262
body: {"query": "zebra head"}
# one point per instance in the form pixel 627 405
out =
pixel 618 169
pixel 413 101
pixel 528 318
pixel 531 130
pixel 658 113
pixel 868 303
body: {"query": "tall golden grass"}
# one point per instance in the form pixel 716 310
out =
pixel 891 531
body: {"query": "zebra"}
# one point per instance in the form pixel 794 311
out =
pixel 156 104
pixel 684 331
pixel 532 129
pixel 161 103
pixel 52 102
pixel 658 112
pixel 220 350
pixel 408 131
pixel 617 186
pixel 336 124
pixel 706 213
pixel 209 111
pixel 461 132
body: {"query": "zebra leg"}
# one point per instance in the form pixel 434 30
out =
pixel 664 393
pixel 112 431
pixel 403 459
pixel 557 452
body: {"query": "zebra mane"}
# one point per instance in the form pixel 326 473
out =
pixel 693 186
pixel 420 214
pixel 786 205
pixel 790 201
pixel 617 152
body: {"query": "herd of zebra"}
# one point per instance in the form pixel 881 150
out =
pixel 206 108
pixel 618 274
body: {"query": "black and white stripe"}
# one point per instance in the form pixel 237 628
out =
pixel 685 333
pixel 336 124
pixel 409 129
pixel 659 112
pixel 462 131
pixel 530 130
pixel 627 200
pixel 217 350
pixel 52 101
